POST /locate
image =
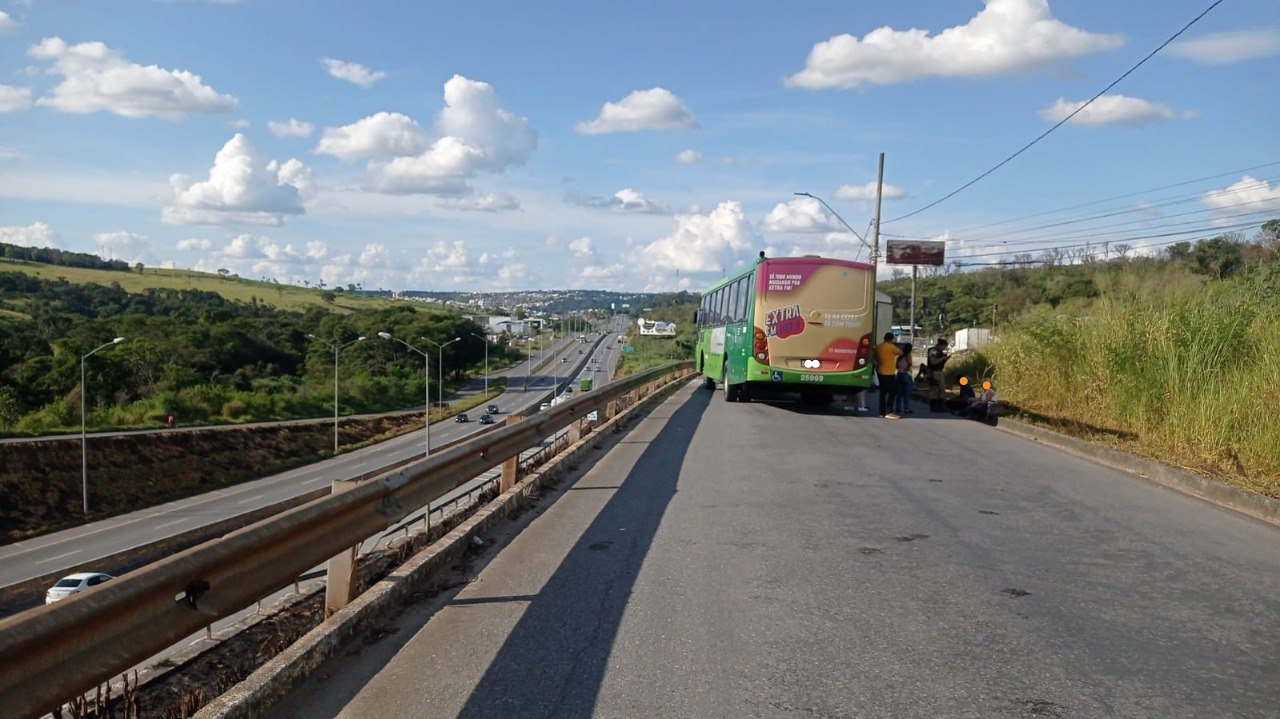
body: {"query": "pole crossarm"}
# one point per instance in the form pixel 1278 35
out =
pixel 51 653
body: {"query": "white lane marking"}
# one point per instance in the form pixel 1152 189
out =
pixel 60 556
pixel 254 498
pixel 170 524
pixel 5 556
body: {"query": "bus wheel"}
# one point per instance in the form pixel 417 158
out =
pixel 732 392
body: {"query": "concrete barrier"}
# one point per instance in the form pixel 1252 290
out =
pixel 381 602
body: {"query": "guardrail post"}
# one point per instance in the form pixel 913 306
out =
pixel 575 431
pixel 510 467
pixel 340 587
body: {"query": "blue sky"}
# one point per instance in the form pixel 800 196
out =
pixel 618 146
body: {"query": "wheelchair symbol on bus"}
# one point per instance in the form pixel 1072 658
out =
pixel 777 376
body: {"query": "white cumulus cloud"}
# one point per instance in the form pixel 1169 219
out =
pixel 1006 36
pixel 803 214
pixel 700 243
pixel 13 99
pixel 243 188
pixel 384 134
pixel 688 157
pixel 1224 48
pixel 653 109
pixel 473 134
pixel 1112 110
pixel 867 192
pixel 97 78
pixel 7 24
pixel 36 234
pixel 583 248
pixel 352 72
pixel 292 128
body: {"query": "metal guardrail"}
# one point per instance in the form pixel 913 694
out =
pixel 51 653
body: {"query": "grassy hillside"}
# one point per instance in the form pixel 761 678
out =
pixel 285 297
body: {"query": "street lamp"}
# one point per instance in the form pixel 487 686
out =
pixel 335 347
pixel 84 452
pixel 486 361
pixel 440 363
pixel 426 388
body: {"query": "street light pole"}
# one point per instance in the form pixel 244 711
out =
pixel 84 437
pixel 335 347
pixel 440 362
pixel 486 362
pixel 426 389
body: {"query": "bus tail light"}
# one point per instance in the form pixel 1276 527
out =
pixel 760 348
pixel 864 350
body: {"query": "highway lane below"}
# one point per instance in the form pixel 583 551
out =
pixel 76 549
pixel 771 560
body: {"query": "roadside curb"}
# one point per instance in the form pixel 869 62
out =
pixel 1255 505
pixel 386 599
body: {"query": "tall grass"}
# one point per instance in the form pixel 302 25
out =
pixel 1179 368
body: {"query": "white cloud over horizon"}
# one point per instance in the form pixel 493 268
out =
pixel 37 234
pixel 1225 48
pixel 352 72
pixel 1006 36
pixel 700 244
pixel 99 79
pixel 7 23
pixel 1113 110
pixel 653 109
pixel 1247 195
pixel 242 188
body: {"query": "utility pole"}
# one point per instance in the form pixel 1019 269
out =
pixel 875 234
pixel 914 269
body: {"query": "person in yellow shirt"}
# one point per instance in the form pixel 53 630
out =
pixel 887 354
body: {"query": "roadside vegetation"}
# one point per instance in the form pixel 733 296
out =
pixel 204 358
pixel 1173 357
pixel 651 352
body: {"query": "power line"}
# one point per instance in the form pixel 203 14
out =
pixel 1061 122
pixel 1119 197
pixel 1200 228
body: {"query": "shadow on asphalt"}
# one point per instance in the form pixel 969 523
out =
pixel 553 662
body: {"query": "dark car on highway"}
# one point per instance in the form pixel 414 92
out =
pixel 462 417
pixel 492 409
pixel 486 419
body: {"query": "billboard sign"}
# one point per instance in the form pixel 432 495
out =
pixel 915 252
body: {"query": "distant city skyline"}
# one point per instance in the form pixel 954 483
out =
pixel 621 147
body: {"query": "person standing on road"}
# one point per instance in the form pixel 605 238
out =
pixel 887 354
pixel 906 385
pixel 935 361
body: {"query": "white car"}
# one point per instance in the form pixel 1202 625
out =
pixel 544 407
pixel 74 584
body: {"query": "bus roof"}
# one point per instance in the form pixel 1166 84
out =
pixel 782 261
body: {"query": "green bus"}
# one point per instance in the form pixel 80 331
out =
pixel 788 324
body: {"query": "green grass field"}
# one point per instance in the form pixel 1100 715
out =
pixel 286 297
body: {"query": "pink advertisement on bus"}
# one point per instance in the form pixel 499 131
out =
pixel 810 314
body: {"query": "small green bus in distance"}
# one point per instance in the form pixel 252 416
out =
pixel 788 324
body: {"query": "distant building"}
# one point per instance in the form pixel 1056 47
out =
pixel 651 328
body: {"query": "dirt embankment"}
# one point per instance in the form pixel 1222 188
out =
pixel 40 482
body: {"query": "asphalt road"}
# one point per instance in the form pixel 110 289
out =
pixel 75 549
pixel 765 560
